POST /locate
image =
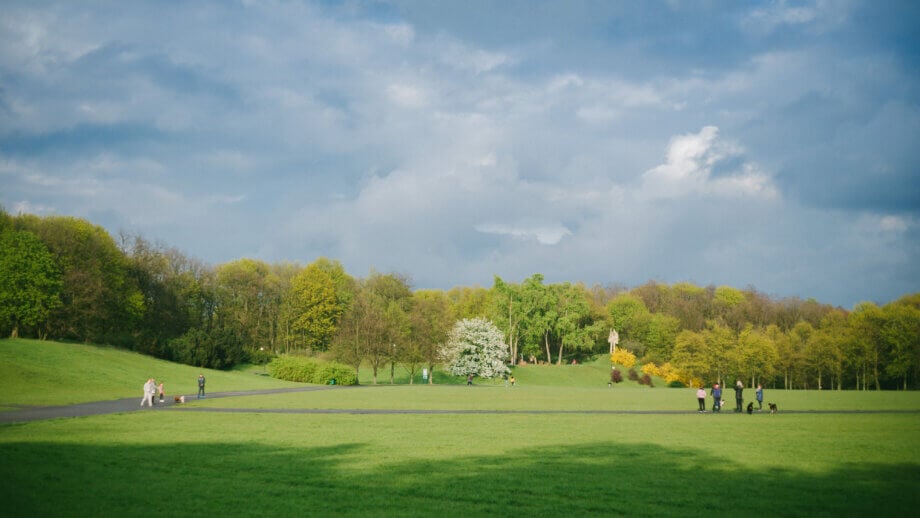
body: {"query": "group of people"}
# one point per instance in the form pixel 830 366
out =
pixel 716 394
pixel 152 388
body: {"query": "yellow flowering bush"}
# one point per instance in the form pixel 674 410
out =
pixel 623 357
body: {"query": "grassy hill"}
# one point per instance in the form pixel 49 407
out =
pixel 36 372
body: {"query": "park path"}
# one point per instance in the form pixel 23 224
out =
pixel 37 413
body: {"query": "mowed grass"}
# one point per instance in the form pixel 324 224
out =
pixel 34 372
pixel 182 462
pixel 560 399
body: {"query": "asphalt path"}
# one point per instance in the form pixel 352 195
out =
pixel 116 406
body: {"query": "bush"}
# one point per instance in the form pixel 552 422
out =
pixel 646 380
pixel 624 358
pixel 633 375
pixel 676 384
pixel 309 370
pixel 616 376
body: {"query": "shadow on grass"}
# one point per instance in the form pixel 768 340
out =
pixel 249 479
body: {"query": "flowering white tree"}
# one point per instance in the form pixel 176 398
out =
pixel 476 346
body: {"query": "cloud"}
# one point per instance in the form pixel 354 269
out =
pixel 688 170
pixel 544 234
pixel 603 142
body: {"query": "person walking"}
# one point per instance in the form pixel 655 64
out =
pixel 716 398
pixel 149 390
pixel 161 391
pixel 739 399
pixel 469 380
pixel 759 395
pixel 200 386
pixel 701 398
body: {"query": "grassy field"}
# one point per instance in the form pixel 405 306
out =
pixel 183 462
pixel 51 373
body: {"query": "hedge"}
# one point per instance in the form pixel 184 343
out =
pixel 310 370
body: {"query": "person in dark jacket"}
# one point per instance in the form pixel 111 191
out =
pixel 739 399
pixel 200 386
pixel 716 398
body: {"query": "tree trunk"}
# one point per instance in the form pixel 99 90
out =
pixel 875 374
pixel 392 371
pixel 549 357
pixel 431 374
pixel 15 332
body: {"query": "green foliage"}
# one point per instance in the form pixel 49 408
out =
pixel 310 370
pixel 30 282
pixel 317 307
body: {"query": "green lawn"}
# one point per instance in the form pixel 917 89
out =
pixel 36 372
pixel 180 462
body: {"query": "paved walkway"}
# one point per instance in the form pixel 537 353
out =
pixel 122 405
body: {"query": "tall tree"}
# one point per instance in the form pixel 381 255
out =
pixel 506 313
pixel 430 322
pixel 574 326
pixel 30 282
pixel 316 307
pixel 99 303
pixel 901 332
pixel 692 355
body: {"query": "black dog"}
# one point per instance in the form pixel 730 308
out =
pixel 772 408
pixel 750 408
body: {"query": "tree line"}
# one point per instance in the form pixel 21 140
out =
pixel 64 278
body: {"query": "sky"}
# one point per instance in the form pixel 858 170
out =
pixel 773 145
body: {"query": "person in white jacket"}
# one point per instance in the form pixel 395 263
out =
pixel 149 390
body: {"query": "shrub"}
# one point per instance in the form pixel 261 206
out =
pixel 646 380
pixel 633 375
pixel 616 376
pixel 342 374
pixel 624 358
pixel 676 384
pixel 310 370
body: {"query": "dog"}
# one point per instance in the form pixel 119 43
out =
pixel 750 408
pixel 772 408
pixel 179 399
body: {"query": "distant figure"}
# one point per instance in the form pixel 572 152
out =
pixel 716 398
pixel 701 399
pixel 759 395
pixel 149 390
pixel 512 381
pixel 739 399
pixel 750 408
pixel 160 390
pixel 200 386
pixel 469 380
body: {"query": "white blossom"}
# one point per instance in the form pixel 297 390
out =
pixel 476 346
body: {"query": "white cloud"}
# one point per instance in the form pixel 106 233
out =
pixel 550 234
pixel 688 170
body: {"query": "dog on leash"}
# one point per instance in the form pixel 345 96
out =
pixel 750 408
pixel 772 408
pixel 179 399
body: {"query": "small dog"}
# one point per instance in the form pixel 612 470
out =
pixel 772 408
pixel 179 399
pixel 750 408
